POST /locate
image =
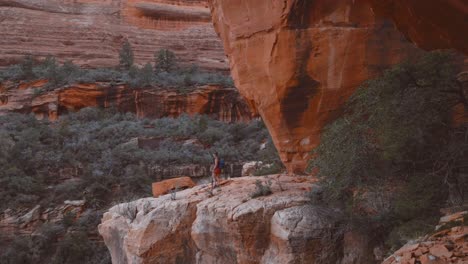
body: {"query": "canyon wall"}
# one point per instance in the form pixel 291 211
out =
pixel 220 103
pixel 91 32
pixel 298 61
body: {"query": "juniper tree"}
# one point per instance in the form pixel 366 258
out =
pixel 396 130
pixel 165 61
pixel 126 56
pixel 26 66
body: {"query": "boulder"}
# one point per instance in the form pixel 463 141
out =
pixel 164 187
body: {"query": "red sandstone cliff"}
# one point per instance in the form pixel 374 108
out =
pixel 91 32
pixel 297 61
pixel 220 103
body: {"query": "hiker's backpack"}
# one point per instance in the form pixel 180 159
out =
pixel 221 164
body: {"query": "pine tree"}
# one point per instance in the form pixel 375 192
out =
pixel 126 56
pixel 146 75
pixel 26 66
pixel 165 61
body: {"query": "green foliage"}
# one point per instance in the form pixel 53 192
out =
pixel 76 248
pixel 126 57
pixel 261 189
pixel 68 219
pixel 269 169
pixel 98 144
pixel 409 230
pixel 390 126
pixel 395 130
pixel 26 67
pixel 147 75
pixel 169 76
pixel 165 61
pixel 140 78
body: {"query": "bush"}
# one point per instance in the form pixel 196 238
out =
pixel 26 67
pixel 268 169
pixel 126 56
pixel 166 73
pixel 77 248
pixel 261 189
pixel 395 130
pixel 98 145
pixel 128 210
pixel 165 61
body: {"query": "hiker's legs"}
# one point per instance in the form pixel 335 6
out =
pixel 214 180
pixel 218 178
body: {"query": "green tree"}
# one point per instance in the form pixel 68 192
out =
pixel 146 75
pixel 27 65
pixel 126 56
pixel 395 129
pixel 165 61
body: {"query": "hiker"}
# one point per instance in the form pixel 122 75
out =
pixel 216 171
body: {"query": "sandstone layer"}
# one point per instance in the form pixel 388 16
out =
pixel 298 61
pixel 226 226
pixel 91 32
pixel 220 103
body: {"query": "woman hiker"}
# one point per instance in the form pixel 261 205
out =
pixel 215 172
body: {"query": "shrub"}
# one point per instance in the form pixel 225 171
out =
pixel 165 61
pixel 68 219
pixel 26 67
pixel 268 169
pixel 395 130
pixel 261 189
pixel 74 248
pixel 17 252
pixel 128 210
pixel 126 56
pixel 98 145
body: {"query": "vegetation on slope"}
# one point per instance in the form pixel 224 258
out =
pixel 164 72
pixel 100 146
pixel 395 157
pixel 98 143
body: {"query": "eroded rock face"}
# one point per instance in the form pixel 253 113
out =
pixel 297 61
pixel 220 103
pixel 91 32
pixel 229 227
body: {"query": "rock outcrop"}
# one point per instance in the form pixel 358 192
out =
pixel 90 33
pixel 19 222
pixel 220 103
pixel 448 244
pixel 225 226
pixel 297 61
